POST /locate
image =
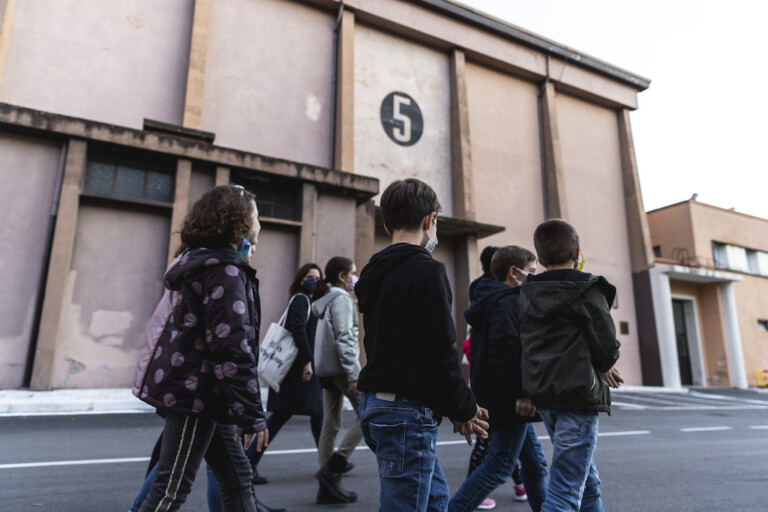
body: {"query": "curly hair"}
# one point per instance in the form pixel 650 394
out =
pixel 223 216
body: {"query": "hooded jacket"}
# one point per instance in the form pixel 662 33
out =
pixel 495 350
pixel 568 339
pixel 410 338
pixel 337 344
pixel 198 355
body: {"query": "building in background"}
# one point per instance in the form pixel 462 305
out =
pixel 710 292
pixel 116 117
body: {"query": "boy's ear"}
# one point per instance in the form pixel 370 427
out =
pixel 428 220
pixel 386 230
pixel 576 253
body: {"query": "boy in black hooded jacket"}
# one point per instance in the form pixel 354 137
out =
pixel 569 351
pixel 412 376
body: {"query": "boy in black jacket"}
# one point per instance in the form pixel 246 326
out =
pixel 496 382
pixel 569 351
pixel 412 376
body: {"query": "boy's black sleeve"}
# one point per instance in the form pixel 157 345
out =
pixel 437 329
pixel 601 332
pixel 504 349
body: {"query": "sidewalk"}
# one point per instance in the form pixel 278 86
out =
pixel 121 400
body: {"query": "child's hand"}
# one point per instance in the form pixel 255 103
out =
pixel 524 407
pixel 613 378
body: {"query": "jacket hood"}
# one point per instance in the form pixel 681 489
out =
pixel 486 293
pixel 193 261
pixel 321 304
pixel 556 290
pixel 379 268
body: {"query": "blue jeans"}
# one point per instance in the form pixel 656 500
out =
pixel 508 442
pixel 573 481
pixel 403 435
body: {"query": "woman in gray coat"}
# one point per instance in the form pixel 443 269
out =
pixel 337 352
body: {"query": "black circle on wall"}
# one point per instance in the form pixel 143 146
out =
pixel 401 118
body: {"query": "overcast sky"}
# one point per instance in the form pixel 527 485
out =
pixel 701 126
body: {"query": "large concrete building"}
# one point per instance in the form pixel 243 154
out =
pixel 710 291
pixel 116 117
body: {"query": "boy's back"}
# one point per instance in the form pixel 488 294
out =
pixel 405 299
pixel 568 339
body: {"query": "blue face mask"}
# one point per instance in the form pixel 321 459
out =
pixel 245 249
pixel 307 284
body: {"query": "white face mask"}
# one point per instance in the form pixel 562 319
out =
pixel 431 243
pixel 525 273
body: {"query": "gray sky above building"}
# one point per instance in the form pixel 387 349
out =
pixel 701 126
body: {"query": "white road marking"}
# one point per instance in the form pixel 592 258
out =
pixel 704 429
pixel 759 427
pixel 73 413
pixel 269 452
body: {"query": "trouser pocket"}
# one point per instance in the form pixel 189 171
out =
pixel 388 443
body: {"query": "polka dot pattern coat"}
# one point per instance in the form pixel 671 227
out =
pixel 199 354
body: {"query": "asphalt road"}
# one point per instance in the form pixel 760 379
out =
pixel 697 452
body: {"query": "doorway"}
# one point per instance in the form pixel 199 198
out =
pixel 681 337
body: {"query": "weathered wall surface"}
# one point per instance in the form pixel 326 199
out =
pixel 114 284
pixel 595 197
pixel 386 64
pixel 269 79
pixel 335 229
pixel 28 176
pixel 506 155
pixel 116 62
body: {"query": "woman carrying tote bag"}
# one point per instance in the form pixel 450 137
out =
pixel 300 390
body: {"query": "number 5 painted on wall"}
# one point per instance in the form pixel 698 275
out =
pixel 401 134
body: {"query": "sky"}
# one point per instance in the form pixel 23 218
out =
pixel 701 126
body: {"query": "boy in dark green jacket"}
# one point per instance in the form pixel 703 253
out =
pixel 569 350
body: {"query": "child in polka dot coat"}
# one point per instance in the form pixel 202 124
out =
pixel 198 363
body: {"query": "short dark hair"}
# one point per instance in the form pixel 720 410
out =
pixel 555 241
pixel 405 203
pixel 507 257
pixel 223 216
pixel 485 258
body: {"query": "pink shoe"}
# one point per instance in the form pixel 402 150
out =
pixel 520 494
pixel 487 504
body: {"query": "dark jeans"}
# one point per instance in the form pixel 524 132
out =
pixel 186 441
pixel 275 422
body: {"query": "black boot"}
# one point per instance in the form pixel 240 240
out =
pixel 329 475
pixel 257 478
pixel 349 467
pixel 260 507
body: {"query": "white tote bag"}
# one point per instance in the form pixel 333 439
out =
pixel 277 352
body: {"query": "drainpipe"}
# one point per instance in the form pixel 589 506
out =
pixel 335 83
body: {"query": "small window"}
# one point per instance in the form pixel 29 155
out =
pixel 762 325
pixel 278 200
pixel 718 250
pixel 657 251
pixel 126 178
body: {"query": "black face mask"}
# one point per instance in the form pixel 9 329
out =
pixel 307 284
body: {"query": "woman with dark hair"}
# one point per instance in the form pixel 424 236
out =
pixel 197 366
pixel 337 352
pixel 300 390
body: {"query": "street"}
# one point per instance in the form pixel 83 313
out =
pixel 706 450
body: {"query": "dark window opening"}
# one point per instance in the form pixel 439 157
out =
pixel 657 251
pixel 128 178
pixel 762 325
pixel 624 328
pixel 275 199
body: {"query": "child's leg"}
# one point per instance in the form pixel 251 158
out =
pixel 574 436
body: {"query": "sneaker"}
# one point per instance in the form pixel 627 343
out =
pixel 520 494
pixel 487 504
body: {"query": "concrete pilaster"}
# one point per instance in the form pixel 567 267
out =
pixel 641 252
pixel 223 176
pixel 180 204
pixel 736 367
pixel 344 143
pixel 307 237
pixel 557 206
pixel 7 8
pixel 461 149
pixel 60 263
pixel 665 328
pixel 198 49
